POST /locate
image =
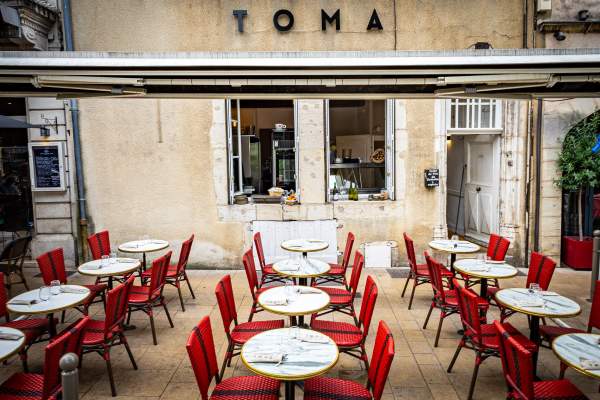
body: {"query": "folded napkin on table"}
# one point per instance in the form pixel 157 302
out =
pixel 549 294
pixel 288 267
pixel 310 337
pixel 530 303
pixel 481 268
pixel 494 262
pixel 126 260
pixel 276 301
pixel 589 364
pixel 309 290
pixel 74 290
pixel 10 336
pixel 22 302
pixel 264 357
pixel 93 266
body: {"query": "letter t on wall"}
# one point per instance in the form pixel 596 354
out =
pixel 239 15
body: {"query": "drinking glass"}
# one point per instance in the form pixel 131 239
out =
pixel 113 258
pixel 481 257
pixel 288 289
pixel 55 287
pixel 104 260
pixel 294 332
pixel 534 289
pixel 44 293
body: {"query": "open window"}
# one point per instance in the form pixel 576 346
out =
pixel 474 114
pixel 361 148
pixel 262 148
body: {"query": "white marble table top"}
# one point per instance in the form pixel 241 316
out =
pixel 574 348
pixel 453 246
pixel 56 302
pixel 300 267
pixel 550 304
pixel 298 303
pixel 143 246
pixel 485 269
pixel 10 347
pixel 304 245
pixel 302 359
pixel 122 266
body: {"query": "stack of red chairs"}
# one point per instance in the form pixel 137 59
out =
pixel 45 386
pixel 517 364
pixel 241 332
pixel 337 272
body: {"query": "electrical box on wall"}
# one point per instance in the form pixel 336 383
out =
pixel 544 5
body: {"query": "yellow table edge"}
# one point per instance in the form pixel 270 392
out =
pixel 304 250
pixel 86 273
pixel 527 312
pixel 577 368
pixel 476 275
pixel 279 312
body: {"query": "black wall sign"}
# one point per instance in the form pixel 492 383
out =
pixel 290 17
pixel 432 177
pixel 47 167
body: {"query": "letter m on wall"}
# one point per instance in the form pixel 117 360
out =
pixel 326 19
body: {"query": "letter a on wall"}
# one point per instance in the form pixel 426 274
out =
pixel 374 22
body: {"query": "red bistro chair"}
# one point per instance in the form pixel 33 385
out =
pixel 350 338
pixel 52 267
pixel 321 388
pixel 35 329
pixel 176 272
pixel 268 274
pixel 47 385
pixel 100 335
pixel 99 244
pixel 481 338
pixel 342 300
pixel 255 289
pixel 240 333
pixel 445 299
pixel 419 273
pixel 201 350
pixel 145 298
pixel 337 272
pixel 517 365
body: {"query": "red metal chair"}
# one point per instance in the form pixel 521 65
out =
pixel 351 338
pixel 145 298
pixel 322 388
pixel 101 335
pixel 480 337
pixel 201 350
pixel 268 274
pixel 337 272
pixel 497 247
pixel 52 267
pixel 35 329
pixel 443 298
pixel 517 365
pixel 99 244
pixel 342 300
pixel 255 289
pixel 176 272
pixel 419 273
pixel 47 385
pixel 240 333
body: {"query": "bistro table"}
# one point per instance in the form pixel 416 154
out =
pixel 299 301
pixel 304 246
pixel 484 270
pixel 122 266
pixel 544 305
pixel 70 296
pixel 453 247
pixel 303 354
pixel 143 246
pixel 573 349
pixel 301 268
pixel 9 347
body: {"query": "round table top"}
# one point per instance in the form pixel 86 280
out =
pixel 550 304
pixel 485 269
pixel 301 300
pixel 454 246
pixel 10 347
pixel 55 303
pixel 123 266
pixel 304 245
pixel 574 348
pixel 303 359
pixel 143 246
pixel 301 267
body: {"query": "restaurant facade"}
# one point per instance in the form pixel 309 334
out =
pixel 359 161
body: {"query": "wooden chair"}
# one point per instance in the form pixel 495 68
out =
pixel 11 261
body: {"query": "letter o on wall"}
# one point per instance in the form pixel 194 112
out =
pixel 278 26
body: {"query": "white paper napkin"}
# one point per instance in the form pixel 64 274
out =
pixel 93 266
pixel 310 337
pixel 126 260
pixel 73 290
pixel 308 290
pixel 531 303
pixel 10 336
pixel 276 301
pixel 288 267
pixel 264 357
pixel 590 365
pixel 22 302
pixel 549 294
pixel 480 268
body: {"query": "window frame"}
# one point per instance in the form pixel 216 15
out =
pixel 496 110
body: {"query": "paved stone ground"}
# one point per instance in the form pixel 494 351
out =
pixel 418 371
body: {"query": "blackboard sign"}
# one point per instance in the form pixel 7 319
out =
pixel 432 177
pixel 47 167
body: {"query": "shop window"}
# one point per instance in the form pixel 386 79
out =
pixel 474 114
pixel 361 148
pixel 262 150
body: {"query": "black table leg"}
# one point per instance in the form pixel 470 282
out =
pixel 110 283
pixel 51 325
pixel 303 281
pixel 290 389
pixel 483 283
pixel 144 261
pixel 452 260
pixel 534 336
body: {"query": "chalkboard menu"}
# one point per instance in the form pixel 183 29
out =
pixel 47 166
pixel 432 177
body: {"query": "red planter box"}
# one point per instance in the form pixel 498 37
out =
pixel 577 254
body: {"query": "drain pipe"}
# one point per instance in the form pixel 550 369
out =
pixel 538 172
pixel 83 222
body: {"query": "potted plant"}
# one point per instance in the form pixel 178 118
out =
pixel 579 167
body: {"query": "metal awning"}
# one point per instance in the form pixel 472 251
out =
pixel 467 73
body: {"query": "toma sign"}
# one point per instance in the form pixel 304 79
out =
pixel 283 20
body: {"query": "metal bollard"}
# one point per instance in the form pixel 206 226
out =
pixel 595 263
pixel 69 376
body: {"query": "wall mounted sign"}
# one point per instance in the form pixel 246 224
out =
pixel 283 20
pixel 47 166
pixel 432 177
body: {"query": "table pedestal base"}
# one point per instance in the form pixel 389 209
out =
pixel 290 390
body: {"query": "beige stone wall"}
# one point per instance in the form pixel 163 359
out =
pixel 159 167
